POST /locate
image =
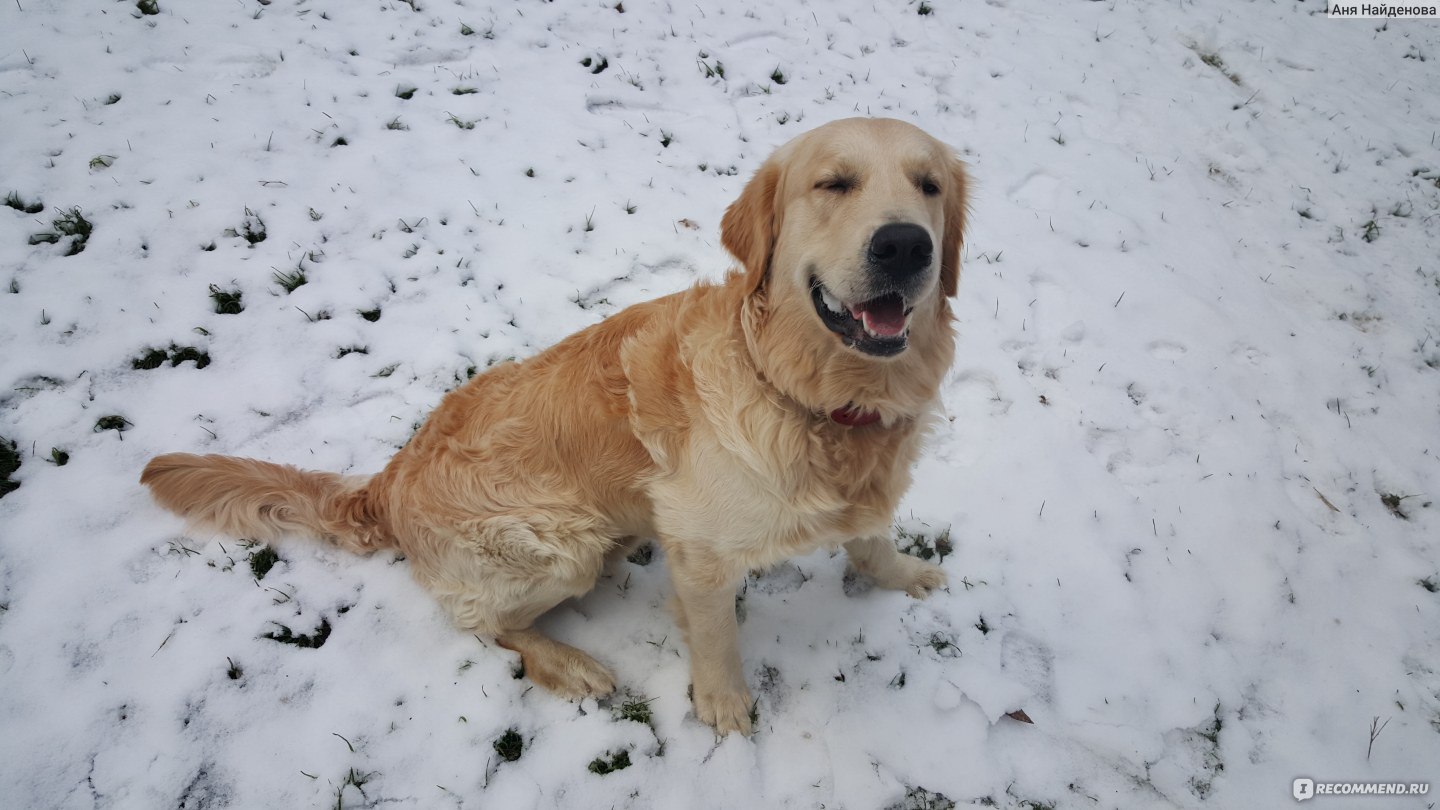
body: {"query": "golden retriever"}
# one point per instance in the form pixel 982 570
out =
pixel 739 424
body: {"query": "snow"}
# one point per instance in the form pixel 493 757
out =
pixel 1191 374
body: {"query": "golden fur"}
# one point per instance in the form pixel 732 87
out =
pixel 702 419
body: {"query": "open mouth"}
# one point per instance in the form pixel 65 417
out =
pixel 878 327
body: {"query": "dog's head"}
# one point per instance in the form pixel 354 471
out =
pixel 863 219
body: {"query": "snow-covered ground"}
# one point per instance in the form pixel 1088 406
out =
pixel 1188 473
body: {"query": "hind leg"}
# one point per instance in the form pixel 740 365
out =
pixel 562 669
pixel 501 574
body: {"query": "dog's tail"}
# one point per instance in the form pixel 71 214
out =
pixel 257 500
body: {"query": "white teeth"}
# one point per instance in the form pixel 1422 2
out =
pixel 904 333
pixel 831 302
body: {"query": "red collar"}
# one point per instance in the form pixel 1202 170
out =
pixel 854 417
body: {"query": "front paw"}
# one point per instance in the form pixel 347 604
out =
pixel 724 710
pixel 915 577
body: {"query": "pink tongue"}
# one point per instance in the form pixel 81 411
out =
pixel 884 316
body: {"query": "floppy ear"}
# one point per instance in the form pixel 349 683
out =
pixel 751 225
pixel 957 204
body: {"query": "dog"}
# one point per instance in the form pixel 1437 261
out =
pixel 738 424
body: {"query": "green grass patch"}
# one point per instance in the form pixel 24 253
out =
pixel 636 711
pixel 313 641
pixel 151 359
pixel 717 70
pixel 918 798
pixel 9 465
pixel 510 745
pixel 58 457
pixel 290 281
pixel 262 560
pixel 1394 503
pixel 74 225
pixel 1214 61
pixel 925 545
pixel 943 645
pixel 175 355
pixel 70 225
pixel 227 302
pixel 354 779
pixel 148 7
pixel 188 354
pixel 616 762
pixel 14 200
pixel 251 229
pixel 114 422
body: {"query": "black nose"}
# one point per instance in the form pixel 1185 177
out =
pixel 901 249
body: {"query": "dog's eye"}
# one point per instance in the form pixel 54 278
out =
pixel 838 185
pixel 930 188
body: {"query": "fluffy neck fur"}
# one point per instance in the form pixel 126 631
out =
pixel 804 362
